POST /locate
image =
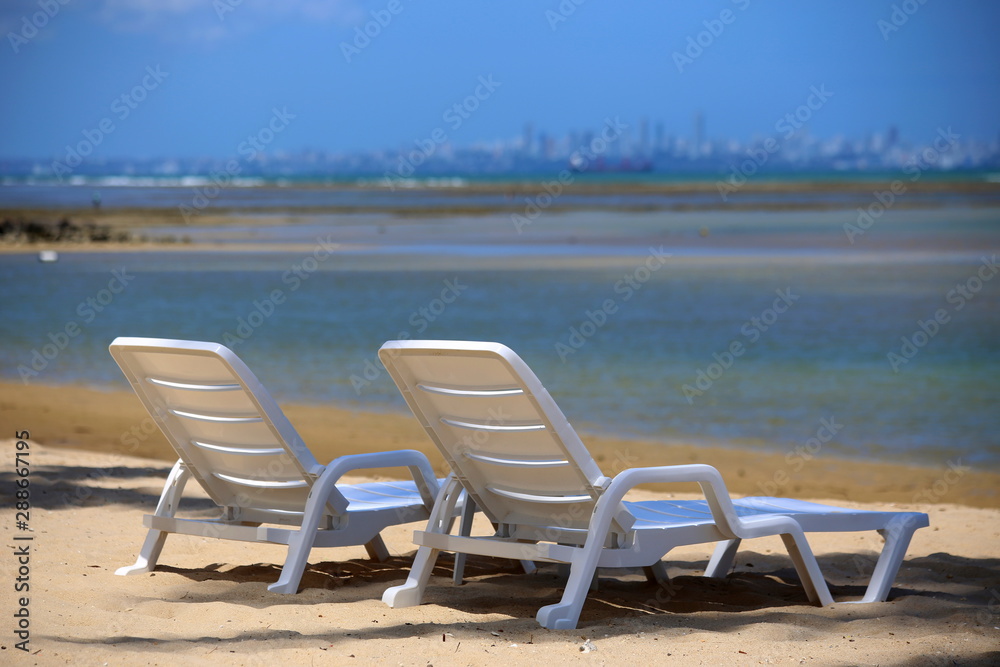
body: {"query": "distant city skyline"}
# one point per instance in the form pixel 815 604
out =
pixel 616 146
pixel 130 79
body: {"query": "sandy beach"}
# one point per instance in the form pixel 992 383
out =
pixel 97 466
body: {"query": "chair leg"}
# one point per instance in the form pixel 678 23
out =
pixel 148 555
pixel 722 559
pixel 807 568
pixel 464 529
pixel 411 593
pixel 897 539
pixel 376 549
pixel 167 506
pixel 657 574
pixel 566 614
pixel 302 542
pixel 295 561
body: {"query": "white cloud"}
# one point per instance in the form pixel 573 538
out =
pixel 198 21
pixel 213 20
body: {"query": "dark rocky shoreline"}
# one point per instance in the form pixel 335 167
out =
pixel 20 230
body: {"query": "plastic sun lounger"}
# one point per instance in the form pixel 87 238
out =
pixel 234 440
pixel 512 450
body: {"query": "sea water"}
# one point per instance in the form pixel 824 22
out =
pixel 743 349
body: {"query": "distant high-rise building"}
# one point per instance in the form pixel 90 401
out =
pixel 527 141
pixel 544 144
pixel 876 143
pixel 659 137
pixel 643 136
pixel 699 132
pixel 624 144
pixel 891 137
pixel 669 145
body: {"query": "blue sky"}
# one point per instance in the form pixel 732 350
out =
pixel 226 65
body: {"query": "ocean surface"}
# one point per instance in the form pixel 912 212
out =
pixel 202 194
pixel 753 347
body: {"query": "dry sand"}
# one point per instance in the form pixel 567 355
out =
pixel 207 603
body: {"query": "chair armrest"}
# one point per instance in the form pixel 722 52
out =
pixel 418 465
pixel 706 476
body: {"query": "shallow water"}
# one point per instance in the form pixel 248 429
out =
pixel 647 335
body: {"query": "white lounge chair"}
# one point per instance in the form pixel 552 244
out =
pixel 512 450
pixel 235 441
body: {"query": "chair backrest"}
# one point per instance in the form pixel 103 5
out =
pixel 223 425
pixel 500 431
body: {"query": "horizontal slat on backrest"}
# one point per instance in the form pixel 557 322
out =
pixel 496 438
pixel 265 463
pixel 476 414
pixel 241 448
pixel 510 459
pixel 232 401
pixel 213 421
pixel 499 406
pixel 188 368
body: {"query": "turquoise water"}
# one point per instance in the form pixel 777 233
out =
pixel 823 357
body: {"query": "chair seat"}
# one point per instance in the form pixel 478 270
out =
pixel 656 514
pixel 382 495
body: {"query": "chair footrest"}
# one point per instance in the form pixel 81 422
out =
pixel 217 529
pixel 498 547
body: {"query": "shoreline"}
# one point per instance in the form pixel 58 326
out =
pixel 703 196
pixel 583 236
pixel 113 422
